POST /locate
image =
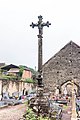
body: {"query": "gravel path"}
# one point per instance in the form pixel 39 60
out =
pixel 13 112
pixel 67 113
pixel 17 112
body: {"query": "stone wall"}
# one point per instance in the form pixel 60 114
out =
pixel 11 86
pixel 63 66
pixel 0 89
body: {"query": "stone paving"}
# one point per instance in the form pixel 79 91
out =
pixel 13 112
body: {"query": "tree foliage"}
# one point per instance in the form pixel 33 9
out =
pixel 21 68
pixel 33 71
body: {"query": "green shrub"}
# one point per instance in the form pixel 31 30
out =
pixel 9 77
pixel 32 116
pixel 29 80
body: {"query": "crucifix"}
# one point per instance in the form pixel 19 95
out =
pixel 40 26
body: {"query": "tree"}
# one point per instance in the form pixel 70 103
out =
pixel 21 68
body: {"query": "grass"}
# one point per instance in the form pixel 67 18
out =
pixel 65 107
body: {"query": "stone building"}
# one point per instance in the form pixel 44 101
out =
pixel 10 69
pixel 26 73
pixel 14 85
pixel 63 67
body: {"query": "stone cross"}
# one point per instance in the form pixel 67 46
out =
pixel 40 26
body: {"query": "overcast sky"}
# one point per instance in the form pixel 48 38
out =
pixel 19 42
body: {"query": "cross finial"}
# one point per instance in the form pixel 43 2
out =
pixel 40 25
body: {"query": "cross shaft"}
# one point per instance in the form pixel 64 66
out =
pixel 40 26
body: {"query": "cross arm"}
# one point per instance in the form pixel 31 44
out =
pixel 46 24
pixel 33 25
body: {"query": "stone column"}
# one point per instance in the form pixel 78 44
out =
pixel 74 114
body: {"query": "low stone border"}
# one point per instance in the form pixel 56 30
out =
pixel 3 106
